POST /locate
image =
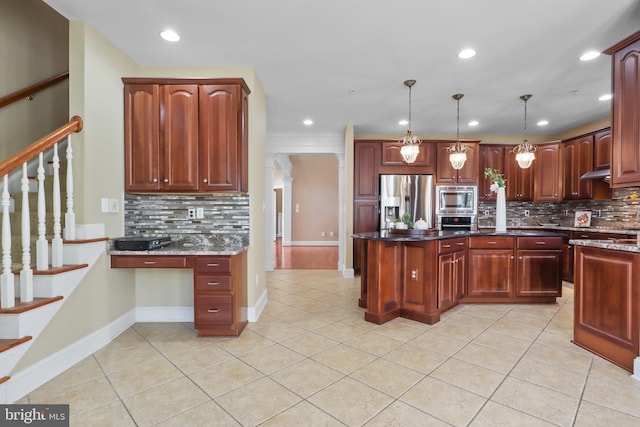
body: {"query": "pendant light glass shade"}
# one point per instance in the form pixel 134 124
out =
pixel 410 142
pixel 457 152
pixel 525 152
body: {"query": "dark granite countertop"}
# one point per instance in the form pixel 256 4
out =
pixel 438 235
pixel 198 244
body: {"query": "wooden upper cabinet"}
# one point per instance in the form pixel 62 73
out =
pixel 547 173
pixel 625 126
pixel 519 181
pixel 578 160
pixel 392 162
pixel 602 149
pixel 365 171
pixel 186 135
pixel 491 156
pixel 446 174
pixel 221 133
pixel 142 137
pixel 179 137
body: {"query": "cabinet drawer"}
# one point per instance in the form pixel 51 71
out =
pixel 207 283
pixel 207 264
pixel 452 245
pixel 151 261
pixel 592 235
pixel 214 309
pixel 490 242
pixel 539 242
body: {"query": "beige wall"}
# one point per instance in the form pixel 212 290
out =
pixel 315 190
pixel 34 46
pixel 96 95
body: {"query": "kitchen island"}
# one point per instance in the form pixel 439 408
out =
pixel 607 300
pixel 421 276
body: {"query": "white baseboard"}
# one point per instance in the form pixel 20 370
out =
pixel 164 314
pixel 314 243
pixel 24 382
pixel 253 313
pixel 348 273
pixel 636 369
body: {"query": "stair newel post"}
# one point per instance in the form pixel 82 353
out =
pixel 7 290
pixel 26 274
pixel 56 242
pixel 70 216
pixel 42 246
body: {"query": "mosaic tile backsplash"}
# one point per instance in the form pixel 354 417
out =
pixel 167 214
pixel 622 211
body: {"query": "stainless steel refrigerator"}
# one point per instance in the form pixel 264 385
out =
pixel 400 194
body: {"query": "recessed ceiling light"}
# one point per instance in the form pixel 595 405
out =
pixel 474 123
pixel 308 122
pixel 543 122
pixel 403 122
pixel 589 55
pixel 170 35
pixel 466 53
pixel 606 97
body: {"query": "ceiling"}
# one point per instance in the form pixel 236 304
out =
pixel 342 62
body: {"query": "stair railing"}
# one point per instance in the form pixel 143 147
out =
pixel 7 289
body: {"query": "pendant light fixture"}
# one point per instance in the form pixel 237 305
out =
pixel 410 142
pixel 525 152
pixel 457 152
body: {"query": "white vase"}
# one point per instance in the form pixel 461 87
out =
pixel 501 211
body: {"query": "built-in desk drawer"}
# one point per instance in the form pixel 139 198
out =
pixel 149 261
pixel 213 264
pixel 209 282
pixel 448 246
pixel 490 242
pixel 213 310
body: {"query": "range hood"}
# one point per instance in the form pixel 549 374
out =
pixel 603 174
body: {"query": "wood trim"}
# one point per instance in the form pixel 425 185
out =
pixel 186 81
pixel 22 307
pixel 4 379
pixel 29 91
pixel 81 242
pixel 623 43
pixel 6 344
pixel 47 141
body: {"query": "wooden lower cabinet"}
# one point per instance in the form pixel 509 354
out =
pixel 219 287
pixel 607 304
pixel 516 269
pixel 452 272
pixel 220 295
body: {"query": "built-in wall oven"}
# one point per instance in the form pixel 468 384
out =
pixel 456 207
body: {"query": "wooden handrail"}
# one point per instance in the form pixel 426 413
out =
pixel 29 91
pixel 44 143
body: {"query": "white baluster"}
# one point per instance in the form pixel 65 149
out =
pixel 26 275
pixel 42 246
pixel 56 242
pixel 70 216
pixel 7 290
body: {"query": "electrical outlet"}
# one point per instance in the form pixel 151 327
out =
pixel 104 205
pixel 191 213
pixel 598 213
pixel 526 213
pixel 331 234
pixel 566 212
pixel 199 213
pixel 323 234
pixel 114 206
pixel 486 212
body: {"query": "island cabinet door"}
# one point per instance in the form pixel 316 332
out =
pixel 539 273
pixel 607 304
pixel 490 273
pixel 451 279
pixel 419 293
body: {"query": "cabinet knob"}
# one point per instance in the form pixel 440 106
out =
pixel 155 179
pixel 519 257
pixel 166 180
pixel 512 257
pixel 204 180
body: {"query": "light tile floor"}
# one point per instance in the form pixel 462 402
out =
pixel 311 360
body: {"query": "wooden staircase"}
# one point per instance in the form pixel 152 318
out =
pixel 32 293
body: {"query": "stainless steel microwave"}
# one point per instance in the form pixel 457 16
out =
pixel 456 199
